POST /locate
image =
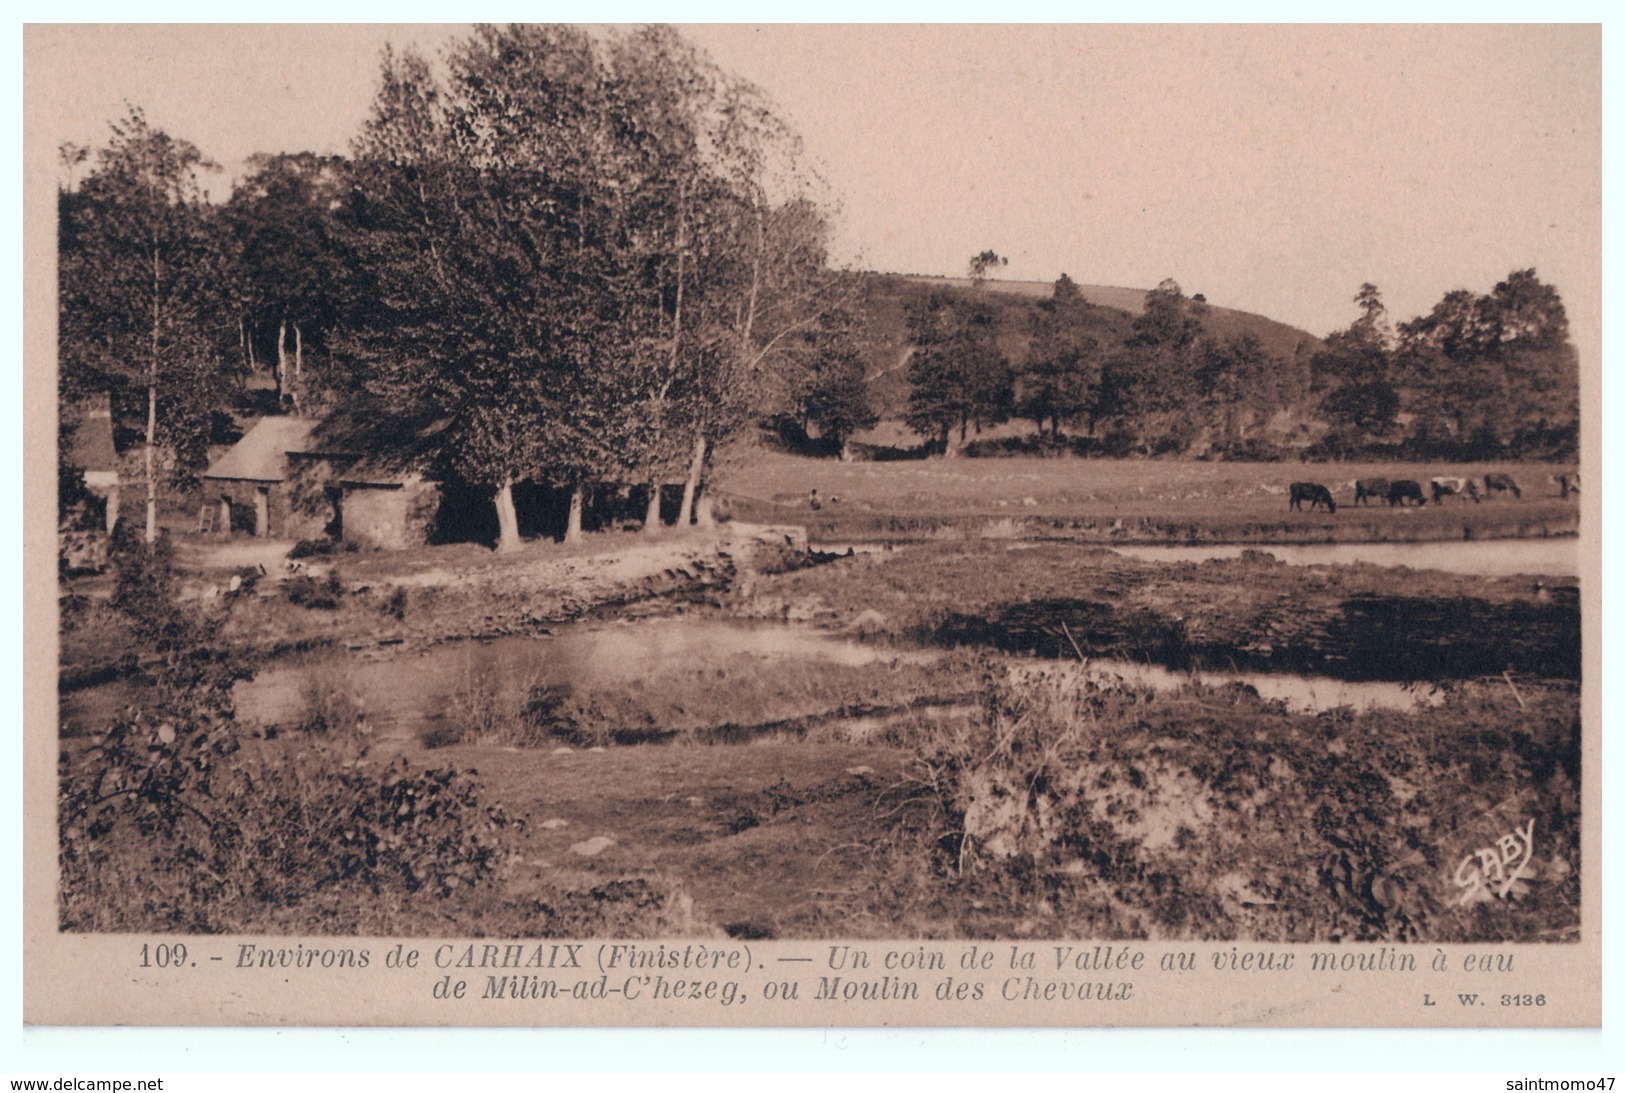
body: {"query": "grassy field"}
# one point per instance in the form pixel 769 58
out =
pixel 1127 500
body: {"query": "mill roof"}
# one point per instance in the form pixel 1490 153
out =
pixel 93 436
pixel 262 454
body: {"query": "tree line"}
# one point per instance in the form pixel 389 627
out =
pixel 1149 385
pixel 1479 377
pixel 587 258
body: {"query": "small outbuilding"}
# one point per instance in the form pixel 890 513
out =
pixel 94 454
pixel 255 483
pixel 360 475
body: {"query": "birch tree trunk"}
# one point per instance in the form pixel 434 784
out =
pixel 152 430
pixel 298 371
pixel 572 527
pixel 696 467
pixel 651 515
pixel 507 519
pixel 281 362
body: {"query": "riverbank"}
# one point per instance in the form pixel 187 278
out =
pixel 1354 622
pixel 417 598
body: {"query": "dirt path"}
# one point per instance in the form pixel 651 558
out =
pixel 755 835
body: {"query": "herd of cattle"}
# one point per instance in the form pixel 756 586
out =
pixel 1404 491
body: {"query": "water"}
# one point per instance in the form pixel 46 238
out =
pixel 407 691
pixel 1556 557
pixel 1488 558
pixel 1304 694
pixel 415 687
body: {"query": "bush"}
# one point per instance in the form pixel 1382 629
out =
pixel 1252 450
pixel 175 826
pixel 492 707
pixel 312 548
pixel 1211 813
pixel 170 820
pixel 328 702
pixel 321 594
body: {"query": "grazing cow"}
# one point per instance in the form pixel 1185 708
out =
pixel 1457 487
pixel 1405 490
pixel 1312 492
pixel 1369 487
pixel 1498 483
pixel 1567 483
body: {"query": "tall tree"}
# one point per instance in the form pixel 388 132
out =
pixel 1240 383
pixel 831 392
pixel 1061 378
pixel 1152 381
pixel 293 262
pixel 476 203
pixel 583 253
pixel 1488 368
pixel 958 375
pixel 983 264
pixel 139 287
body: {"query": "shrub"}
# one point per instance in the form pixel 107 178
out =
pixel 328 702
pixel 322 594
pixel 311 548
pixel 175 826
pixel 491 705
pixel 1209 812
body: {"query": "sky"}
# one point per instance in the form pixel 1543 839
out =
pixel 1273 169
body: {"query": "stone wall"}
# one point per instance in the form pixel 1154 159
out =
pixel 390 517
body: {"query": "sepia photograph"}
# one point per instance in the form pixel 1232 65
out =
pixel 840 516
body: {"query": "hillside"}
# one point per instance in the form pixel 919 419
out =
pixel 1278 338
pixel 880 298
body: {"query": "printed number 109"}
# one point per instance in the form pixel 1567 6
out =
pixel 174 956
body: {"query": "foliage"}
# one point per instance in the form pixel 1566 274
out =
pixel 328 704
pixel 1478 376
pixel 293 262
pixel 1371 407
pixel 1061 378
pixel 584 254
pixel 178 826
pixel 492 704
pixel 1134 814
pixel 139 287
pixel 319 593
pixel 959 376
pixel 831 392
pixel 170 819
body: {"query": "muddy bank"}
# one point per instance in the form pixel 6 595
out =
pixel 1354 622
pixel 1402 639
